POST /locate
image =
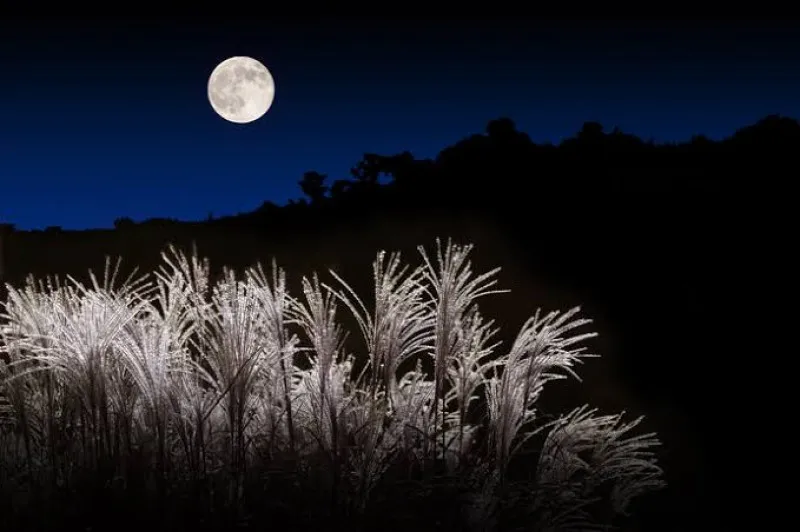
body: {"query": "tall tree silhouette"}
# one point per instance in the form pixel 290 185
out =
pixel 368 170
pixel 313 186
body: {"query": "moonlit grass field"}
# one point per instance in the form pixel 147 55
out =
pixel 243 395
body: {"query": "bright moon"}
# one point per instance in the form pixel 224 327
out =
pixel 241 89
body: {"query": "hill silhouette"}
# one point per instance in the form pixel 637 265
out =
pixel 642 234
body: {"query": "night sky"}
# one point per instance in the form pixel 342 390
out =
pixel 106 119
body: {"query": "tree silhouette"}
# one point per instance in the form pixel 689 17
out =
pixel 313 186
pixel 591 131
pixel 124 222
pixel 340 188
pixel 368 170
pixel 501 128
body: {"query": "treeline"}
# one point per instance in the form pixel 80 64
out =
pixel 504 168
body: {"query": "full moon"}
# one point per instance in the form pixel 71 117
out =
pixel 241 89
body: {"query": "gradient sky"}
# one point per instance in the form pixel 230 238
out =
pixel 102 119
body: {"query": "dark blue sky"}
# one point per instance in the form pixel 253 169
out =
pixel 102 119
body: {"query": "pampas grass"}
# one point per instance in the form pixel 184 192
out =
pixel 241 398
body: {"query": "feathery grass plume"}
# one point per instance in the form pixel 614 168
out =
pixel 277 304
pixel 194 396
pixel 542 352
pixel 154 350
pixel 454 291
pixel 58 339
pixel 317 319
pixel 79 349
pixel 170 376
pixel 323 386
pixel 401 324
pixel 399 328
pixel 586 456
pixel 25 316
pixel 239 347
pixel 466 374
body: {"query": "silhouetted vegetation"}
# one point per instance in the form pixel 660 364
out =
pixel 123 223
pixel 643 234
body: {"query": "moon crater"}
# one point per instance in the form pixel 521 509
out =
pixel 241 89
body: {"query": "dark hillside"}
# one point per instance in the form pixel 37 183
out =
pixel 643 236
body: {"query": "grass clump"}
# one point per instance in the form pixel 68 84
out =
pixel 232 402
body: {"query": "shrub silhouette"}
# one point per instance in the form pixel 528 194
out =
pixel 124 223
pixel 233 389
